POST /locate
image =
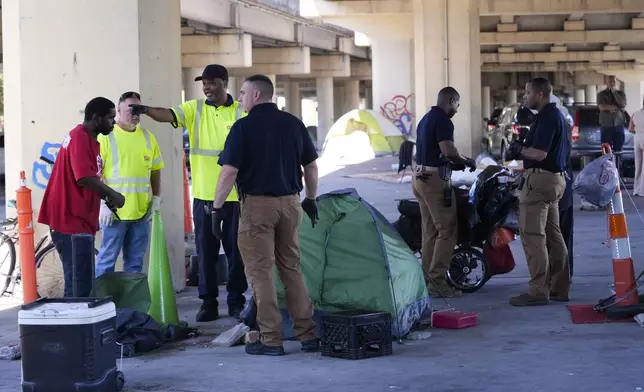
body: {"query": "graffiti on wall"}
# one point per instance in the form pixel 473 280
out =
pixel 41 171
pixel 399 111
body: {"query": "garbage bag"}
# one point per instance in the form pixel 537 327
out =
pixel 597 182
pixel 129 290
pixel 511 221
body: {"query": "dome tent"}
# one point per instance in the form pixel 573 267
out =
pixel 364 134
pixel 354 259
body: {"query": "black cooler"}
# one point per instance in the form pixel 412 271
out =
pixel 69 344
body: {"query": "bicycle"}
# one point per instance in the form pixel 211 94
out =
pixel 50 280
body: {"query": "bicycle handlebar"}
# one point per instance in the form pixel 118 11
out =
pixel 46 160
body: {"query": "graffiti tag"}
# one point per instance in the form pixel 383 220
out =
pixel 41 171
pixel 398 110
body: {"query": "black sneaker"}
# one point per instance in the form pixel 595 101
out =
pixel 259 348
pixel 311 345
pixel 207 312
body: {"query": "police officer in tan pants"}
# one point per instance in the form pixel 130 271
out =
pixel 435 151
pixel 266 154
pixel 545 156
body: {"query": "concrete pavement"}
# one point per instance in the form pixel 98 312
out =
pixel 529 349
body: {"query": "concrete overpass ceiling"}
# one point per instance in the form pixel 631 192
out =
pixel 540 22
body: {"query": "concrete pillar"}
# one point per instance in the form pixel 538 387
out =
pixel 324 92
pixel 511 96
pixel 338 101
pixel 273 79
pixel 78 69
pixel 590 94
pixel 580 96
pixel 293 98
pixel 486 97
pixel 391 64
pixel 351 95
pixel 234 86
pixel 634 90
pixel 447 52
pixel 368 97
pixel 191 89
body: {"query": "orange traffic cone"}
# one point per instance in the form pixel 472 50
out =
pixel 623 271
pixel 163 307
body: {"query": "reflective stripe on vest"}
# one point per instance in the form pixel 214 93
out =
pixel 197 150
pixel 124 184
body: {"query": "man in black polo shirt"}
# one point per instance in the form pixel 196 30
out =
pixel 264 155
pixel 545 156
pixel 435 140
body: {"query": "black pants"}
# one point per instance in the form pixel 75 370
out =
pixel 208 254
pixel 566 223
pixel 76 255
pixel 615 137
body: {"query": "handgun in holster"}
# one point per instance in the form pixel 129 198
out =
pixel 445 174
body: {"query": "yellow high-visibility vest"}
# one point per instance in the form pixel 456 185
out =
pixel 208 127
pixel 128 160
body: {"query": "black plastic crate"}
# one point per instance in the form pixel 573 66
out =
pixel 356 334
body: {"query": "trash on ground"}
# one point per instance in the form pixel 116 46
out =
pixel 10 352
pixel 232 336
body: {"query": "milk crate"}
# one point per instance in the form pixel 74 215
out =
pixel 356 334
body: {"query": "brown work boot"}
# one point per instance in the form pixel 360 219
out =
pixel 526 299
pixel 443 291
pixel 559 297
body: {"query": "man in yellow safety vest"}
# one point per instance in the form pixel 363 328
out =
pixel 132 165
pixel 208 123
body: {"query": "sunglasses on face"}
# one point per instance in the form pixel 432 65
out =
pixel 128 95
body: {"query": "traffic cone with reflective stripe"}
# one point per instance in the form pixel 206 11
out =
pixel 163 307
pixel 623 270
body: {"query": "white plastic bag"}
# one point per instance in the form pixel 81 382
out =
pixel 597 182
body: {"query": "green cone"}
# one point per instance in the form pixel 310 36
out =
pixel 163 307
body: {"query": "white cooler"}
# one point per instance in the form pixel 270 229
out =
pixel 69 344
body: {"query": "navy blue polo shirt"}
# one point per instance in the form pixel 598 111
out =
pixel 548 133
pixel 433 128
pixel 269 148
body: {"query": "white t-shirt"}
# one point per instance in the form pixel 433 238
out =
pixel 638 119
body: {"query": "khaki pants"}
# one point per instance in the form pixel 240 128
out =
pixel 268 236
pixel 543 244
pixel 440 231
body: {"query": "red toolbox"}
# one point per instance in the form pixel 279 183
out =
pixel 453 319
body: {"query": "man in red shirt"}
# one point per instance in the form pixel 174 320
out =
pixel 71 204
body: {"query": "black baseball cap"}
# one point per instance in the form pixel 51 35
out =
pixel 213 71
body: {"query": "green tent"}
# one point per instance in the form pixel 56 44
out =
pixel 355 260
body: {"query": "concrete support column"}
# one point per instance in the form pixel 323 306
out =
pixel 79 69
pixel 324 88
pixel 351 95
pixel 486 98
pixel 511 96
pixel 191 89
pixel 234 85
pixel 273 79
pixel 391 64
pixel 293 99
pixel 580 96
pixel 447 52
pixel 590 92
pixel 634 90
pixel 368 98
pixel 338 101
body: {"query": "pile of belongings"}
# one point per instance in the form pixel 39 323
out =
pixel 495 202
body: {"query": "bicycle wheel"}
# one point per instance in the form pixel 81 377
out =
pixel 50 280
pixel 7 262
pixel 49 272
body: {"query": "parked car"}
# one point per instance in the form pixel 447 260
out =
pixel 497 137
pixel 586 135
